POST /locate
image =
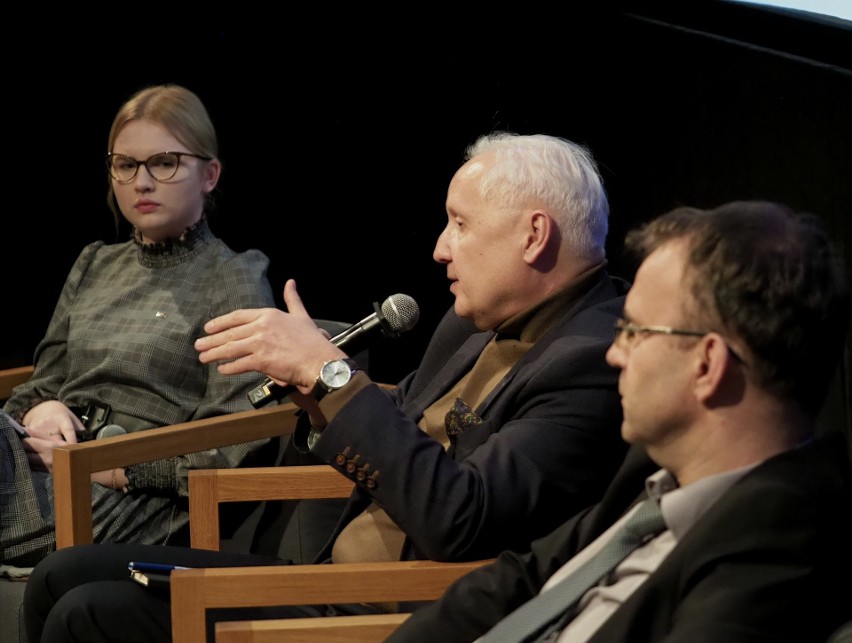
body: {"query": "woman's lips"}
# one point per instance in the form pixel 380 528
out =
pixel 146 206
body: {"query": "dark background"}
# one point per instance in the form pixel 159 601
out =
pixel 340 132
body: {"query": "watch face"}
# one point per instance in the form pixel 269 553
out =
pixel 335 374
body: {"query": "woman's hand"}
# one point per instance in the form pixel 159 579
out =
pixel 48 424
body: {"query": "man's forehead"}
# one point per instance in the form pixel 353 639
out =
pixel 659 277
pixel 471 169
pixel 667 258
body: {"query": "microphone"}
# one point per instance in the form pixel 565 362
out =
pixel 397 314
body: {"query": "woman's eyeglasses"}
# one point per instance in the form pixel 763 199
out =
pixel 162 167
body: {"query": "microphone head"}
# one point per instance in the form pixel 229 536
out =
pixel 401 312
pixel 109 431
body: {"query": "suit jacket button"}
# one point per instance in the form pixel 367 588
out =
pixel 352 465
pixel 370 482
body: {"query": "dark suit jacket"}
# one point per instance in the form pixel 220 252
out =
pixel 548 446
pixel 769 561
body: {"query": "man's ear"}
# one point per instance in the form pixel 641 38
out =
pixel 539 234
pixel 716 377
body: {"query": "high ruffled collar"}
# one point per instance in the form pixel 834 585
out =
pixel 172 251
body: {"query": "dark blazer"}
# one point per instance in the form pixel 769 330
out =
pixel 769 561
pixel 548 445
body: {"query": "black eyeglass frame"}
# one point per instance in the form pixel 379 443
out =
pixel 624 326
pixel 179 155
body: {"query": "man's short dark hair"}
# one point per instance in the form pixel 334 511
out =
pixel 768 277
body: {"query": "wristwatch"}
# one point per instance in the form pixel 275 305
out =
pixel 333 375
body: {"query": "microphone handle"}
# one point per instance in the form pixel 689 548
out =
pixel 268 391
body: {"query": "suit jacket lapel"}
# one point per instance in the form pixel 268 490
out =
pixel 461 362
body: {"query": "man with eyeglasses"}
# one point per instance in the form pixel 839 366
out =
pixel 731 335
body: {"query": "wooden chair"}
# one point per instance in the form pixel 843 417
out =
pixel 196 590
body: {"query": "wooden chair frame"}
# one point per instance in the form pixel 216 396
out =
pixel 73 464
pixel 193 591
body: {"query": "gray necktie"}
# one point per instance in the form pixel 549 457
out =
pixel 534 617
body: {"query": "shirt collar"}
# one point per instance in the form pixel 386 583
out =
pixel 683 506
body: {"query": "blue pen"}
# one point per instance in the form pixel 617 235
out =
pixel 152 567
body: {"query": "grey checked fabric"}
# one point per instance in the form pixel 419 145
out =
pixel 530 621
pixel 122 334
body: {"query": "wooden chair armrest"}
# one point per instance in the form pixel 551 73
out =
pixel 208 488
pixel 193 591
pixel 73 464
pixel 11 377
pixel 369 628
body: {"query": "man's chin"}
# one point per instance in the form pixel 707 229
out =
pixel 461 309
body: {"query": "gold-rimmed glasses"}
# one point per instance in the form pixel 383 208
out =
pixel 628 331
